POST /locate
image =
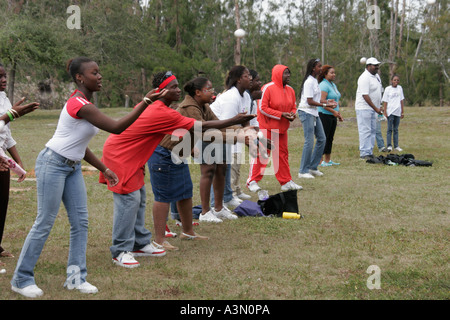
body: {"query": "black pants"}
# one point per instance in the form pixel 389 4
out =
pixel 329 123
pixel 4 198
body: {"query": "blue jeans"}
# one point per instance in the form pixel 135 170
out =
pixel 129 232
pixel 227 192
pixel 393 123
pixel 379 136
pixel 56 181
pixel 367 128
pixel 312 126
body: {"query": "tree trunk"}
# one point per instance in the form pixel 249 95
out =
pixel 374 42
pixel 400 34
pixel 144 81
pixel 178 33
pixel 11 82
pixel 411 76
pixel 392 36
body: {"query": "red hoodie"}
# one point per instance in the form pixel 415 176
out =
pixel 275 100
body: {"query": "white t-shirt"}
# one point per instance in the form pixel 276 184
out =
pixel 6 140
pixel 72 134
pixel 310 89
pixel 368 84
pixel 393 97
pixel 253 110
pixel 229 104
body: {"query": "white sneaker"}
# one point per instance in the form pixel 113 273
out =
pixel 152 249
pixel 306 175
pixel 31 291
pixel 209 217
pixel 389 148
pixel 316 173
pixel 295 186
pixel 234 202
pixel 223 214
pixel 291 185
pixel 126 259
pixel 85 287
pixel 253 186
pixel 263 194
pixel 398 149
pixel 244 196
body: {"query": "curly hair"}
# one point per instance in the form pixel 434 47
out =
pixel 159 78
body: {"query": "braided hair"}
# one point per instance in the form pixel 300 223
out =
pixel 234 75
pixel 309 69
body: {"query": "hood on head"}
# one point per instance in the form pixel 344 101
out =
pixel 277 74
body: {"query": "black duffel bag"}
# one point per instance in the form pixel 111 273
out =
pixel 278 203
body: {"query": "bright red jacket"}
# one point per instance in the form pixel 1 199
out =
pixel 275 100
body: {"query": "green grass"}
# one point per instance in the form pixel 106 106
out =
pixel 355 216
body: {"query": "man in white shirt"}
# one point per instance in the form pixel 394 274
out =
pixel 367 106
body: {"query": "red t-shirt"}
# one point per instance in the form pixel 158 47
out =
pixel 126 153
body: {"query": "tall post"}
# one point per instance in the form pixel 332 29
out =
pixel 237 49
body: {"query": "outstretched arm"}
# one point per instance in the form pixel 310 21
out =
pixel 92 114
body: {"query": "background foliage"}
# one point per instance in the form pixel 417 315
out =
pixel 131 41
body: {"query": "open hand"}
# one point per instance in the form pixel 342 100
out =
pixel 243 117
pixel 24 109
pixel 155 94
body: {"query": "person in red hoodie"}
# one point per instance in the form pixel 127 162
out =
pixel 276 110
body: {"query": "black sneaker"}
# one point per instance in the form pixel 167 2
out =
pixel 367 157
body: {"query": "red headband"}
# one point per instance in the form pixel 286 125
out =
pixel 166 82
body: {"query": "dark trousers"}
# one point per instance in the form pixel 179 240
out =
pixel 4 198
pixel 329 123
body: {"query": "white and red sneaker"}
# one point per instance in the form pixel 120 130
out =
pixel 170 234
pixel 126 259
pixel 179 224
pixel 151 250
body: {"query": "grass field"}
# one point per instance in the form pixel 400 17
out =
pixel 355 216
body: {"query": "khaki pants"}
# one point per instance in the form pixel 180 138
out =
pixel 236 174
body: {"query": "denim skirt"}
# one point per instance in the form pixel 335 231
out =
pixel 170 181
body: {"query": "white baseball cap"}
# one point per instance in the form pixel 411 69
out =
pixel 373 61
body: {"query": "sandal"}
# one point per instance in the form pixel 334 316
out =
pixel 185 236
pixel 6 254
pixel 168 247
